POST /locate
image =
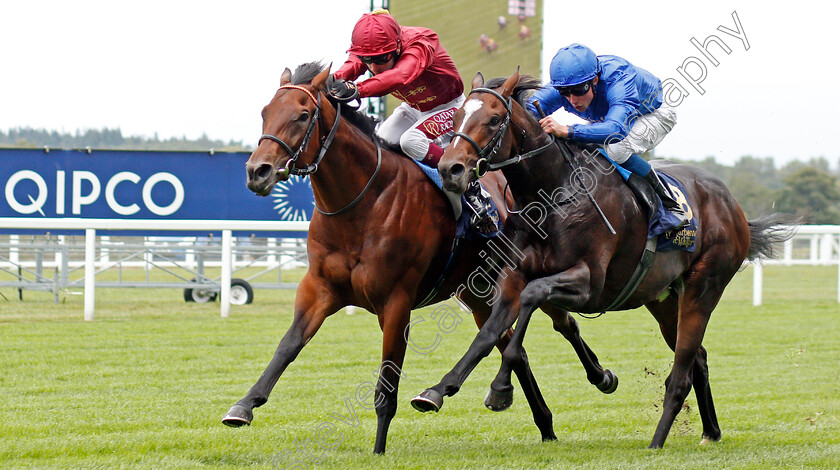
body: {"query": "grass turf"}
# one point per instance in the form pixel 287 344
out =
pixel 146 384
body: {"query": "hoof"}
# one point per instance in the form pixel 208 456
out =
pixel 610 382
pixel 428 400
pixel 499 400
pixel 709 440
pixel 238 416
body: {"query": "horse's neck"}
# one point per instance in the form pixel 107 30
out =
pixel 531 179
pixel 346 169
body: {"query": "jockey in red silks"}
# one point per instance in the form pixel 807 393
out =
pixel 410 64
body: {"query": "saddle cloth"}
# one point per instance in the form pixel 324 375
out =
pixel 660 225
pixel 463 228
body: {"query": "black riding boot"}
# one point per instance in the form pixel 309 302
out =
pixel 479 207
pixel 667 201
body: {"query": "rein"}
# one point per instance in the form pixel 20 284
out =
pixel 290 167
pixel 483 165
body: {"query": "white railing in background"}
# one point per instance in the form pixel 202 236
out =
pixel 90 226
pixel 820 242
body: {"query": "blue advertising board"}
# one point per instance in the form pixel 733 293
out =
pixel 109 184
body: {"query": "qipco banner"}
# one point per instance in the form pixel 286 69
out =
pixel 141 185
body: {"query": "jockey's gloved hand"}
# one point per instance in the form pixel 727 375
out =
pixel 342 90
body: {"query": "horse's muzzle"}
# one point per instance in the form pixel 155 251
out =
pixel 261 178
pixel 454 176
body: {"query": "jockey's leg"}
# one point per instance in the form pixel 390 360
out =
pixel 401 120
pixel 424 141
pixel 647 131
pixel 416 145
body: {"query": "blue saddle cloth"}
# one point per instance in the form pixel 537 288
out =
pixel 463 229
pixel 663 221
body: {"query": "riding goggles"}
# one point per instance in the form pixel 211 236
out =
pixel 376 59
pixel 577 90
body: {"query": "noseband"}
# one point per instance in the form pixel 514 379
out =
pixel 290 167
pixel 482 166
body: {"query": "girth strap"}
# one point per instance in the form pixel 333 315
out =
pixel 639 274
pixel 444 275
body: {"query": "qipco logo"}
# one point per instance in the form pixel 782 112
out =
pixel 86 189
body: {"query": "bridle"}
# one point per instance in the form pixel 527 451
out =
pixel 483 165
pixel 290 167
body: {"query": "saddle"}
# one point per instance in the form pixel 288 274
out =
pixel 659 238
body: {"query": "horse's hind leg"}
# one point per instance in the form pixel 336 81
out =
pixel 564 323
pixel 684 331
pixel 310 312
pixel 711 429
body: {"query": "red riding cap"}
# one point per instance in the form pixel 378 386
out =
pixel 375 33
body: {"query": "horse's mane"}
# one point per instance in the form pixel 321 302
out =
pixel 522 91
pixel 304 74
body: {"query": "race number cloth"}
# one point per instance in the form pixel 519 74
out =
pixel 462 227
pixel 664 220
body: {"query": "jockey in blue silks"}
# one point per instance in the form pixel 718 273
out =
pixel 623 104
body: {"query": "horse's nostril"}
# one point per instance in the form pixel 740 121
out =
pixel 263 171
pixel 457 170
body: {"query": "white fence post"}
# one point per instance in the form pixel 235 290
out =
pixel 826 248
pixel 758 281
pixel 227 241
pixel 788 252
pixel 176 225
pixel 14 252
pixel 90 272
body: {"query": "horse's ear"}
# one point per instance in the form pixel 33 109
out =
pixel 286 77
pixel 320 79
pixel 510 83
pixel 478 81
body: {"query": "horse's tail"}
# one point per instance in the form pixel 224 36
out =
pixel 769 231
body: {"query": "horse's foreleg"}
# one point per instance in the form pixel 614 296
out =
pixel 312 306
pixel 571 287
pixel 539 409
pixel 499 321
pixel 394 321
pixel 604 379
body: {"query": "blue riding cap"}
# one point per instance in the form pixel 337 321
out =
pixel 572 65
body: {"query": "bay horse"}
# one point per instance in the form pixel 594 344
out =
pixel 380 238
pixel 568 257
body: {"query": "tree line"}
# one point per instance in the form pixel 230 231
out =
pixel 110 139
pixel 809 189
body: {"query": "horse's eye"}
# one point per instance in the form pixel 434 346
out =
pixel 494 121
pixel 303 116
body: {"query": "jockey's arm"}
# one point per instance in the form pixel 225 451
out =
pixel 623 99
pixel 351 70
pixel 549 99
pixel 614 127
pixel 411 64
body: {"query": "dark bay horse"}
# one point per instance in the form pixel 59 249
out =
pixel 379 239
pixel 566 256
